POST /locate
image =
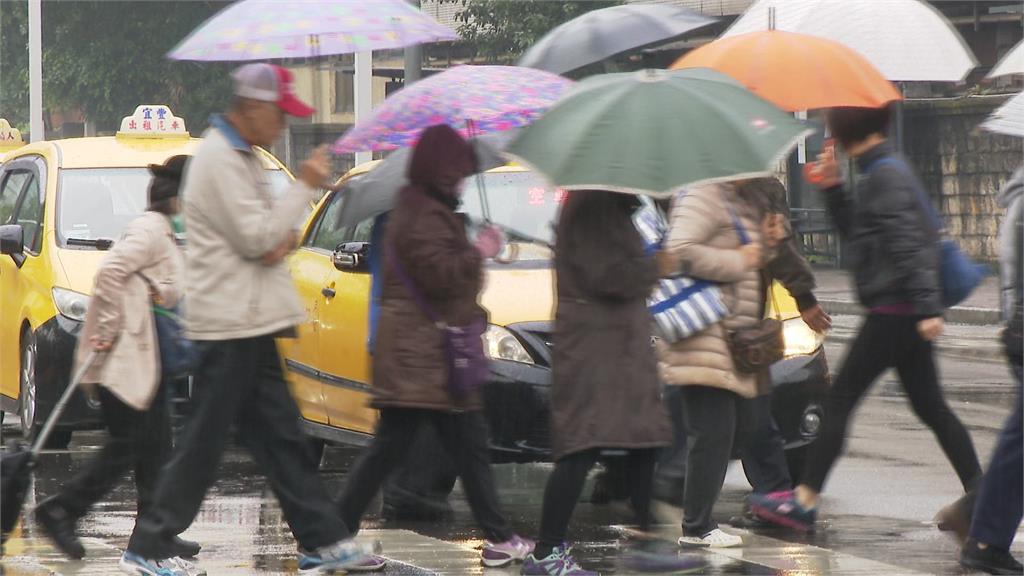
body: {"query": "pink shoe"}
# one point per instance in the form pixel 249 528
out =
pixel 515 549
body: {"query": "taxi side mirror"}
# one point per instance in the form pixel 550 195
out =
pixel 352 257
pixel 12 242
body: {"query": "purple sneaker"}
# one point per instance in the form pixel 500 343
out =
pixel 782 508
pixel 515 549
pixel 559 563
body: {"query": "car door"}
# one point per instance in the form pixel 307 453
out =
pixel 12 182
pixel 309 266
pixel 344 325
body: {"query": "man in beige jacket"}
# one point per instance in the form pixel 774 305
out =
pixel 239 298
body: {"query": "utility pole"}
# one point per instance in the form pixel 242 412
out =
pixel 363 94
pixel 413 58
pixel 35 71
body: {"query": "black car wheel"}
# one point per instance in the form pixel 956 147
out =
pixel 28 394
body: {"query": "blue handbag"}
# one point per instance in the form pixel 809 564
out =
pixel 178 355
pixel 680 306
pixel 958 275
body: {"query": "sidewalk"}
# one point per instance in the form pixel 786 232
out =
pixel 837 295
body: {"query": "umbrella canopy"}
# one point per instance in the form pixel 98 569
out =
pixel 1007 119
pixel 654 131
pixel 795 71
pixel 265 29
pixel 374 192
pixel 907 40
pixel 603 33
pixel 1011 63
pixel 472 99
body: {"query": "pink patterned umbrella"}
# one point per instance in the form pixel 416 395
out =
pixel 266 29
pixel 472 99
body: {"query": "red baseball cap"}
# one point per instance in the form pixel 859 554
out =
pixel 270 83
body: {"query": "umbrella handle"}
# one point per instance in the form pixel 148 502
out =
pixel 481 187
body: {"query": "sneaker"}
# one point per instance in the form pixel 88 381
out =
pixel 345 555
pixel 139 566
pixel 714 539
pixel 782 508
pixel 58 525
pixel 187 567
pixel 185 548
pixel 990 560
pixel 514 550
pixel 559 563
pixel 651 557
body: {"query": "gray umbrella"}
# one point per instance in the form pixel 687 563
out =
pixel 374 193
pixel 603 33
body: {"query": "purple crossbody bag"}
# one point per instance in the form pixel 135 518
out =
pixel 463 345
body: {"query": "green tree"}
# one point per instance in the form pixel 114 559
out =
pixel 501 30
pixel 106 57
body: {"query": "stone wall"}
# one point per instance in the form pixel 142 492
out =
pixel 962 167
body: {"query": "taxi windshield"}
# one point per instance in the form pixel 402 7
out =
pixel 520 202
pixel 97 203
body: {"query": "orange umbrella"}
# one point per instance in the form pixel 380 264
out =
pixel 795 71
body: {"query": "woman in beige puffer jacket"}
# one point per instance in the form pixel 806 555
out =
pixel 704 243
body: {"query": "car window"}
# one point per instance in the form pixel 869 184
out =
pixel 328 234
pixel 30 215
pixel 363 230
pixel 13 182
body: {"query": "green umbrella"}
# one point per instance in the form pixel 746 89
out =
pixel 655 131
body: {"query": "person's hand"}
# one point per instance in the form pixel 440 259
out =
pixel 751 255
pixel 931 328
pixel 100 344
pixel 281 251
pixel 817 318
pixel 315 169
pixel 489 241
pixel 668 265
pixel 825 172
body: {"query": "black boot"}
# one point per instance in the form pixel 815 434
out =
pixel 990 559
pixel 185 548
pixel 59 526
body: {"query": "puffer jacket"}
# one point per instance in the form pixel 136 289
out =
pixel 705 241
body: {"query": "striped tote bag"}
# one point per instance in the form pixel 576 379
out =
pixel 680 306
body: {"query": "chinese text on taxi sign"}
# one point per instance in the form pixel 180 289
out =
pixel 152 120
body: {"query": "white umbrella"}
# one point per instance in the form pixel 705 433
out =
pixel 1007 119
pixel 907 40
pixel 1011 63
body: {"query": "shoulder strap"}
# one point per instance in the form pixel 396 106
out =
pixel 922 196
pixel 737 224
pixel 417 295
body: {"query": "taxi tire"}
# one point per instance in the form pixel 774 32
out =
pixel 30 421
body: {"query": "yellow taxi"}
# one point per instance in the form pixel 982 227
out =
pixel 329 363
pixel 63 203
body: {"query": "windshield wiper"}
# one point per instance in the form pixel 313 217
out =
pixel 515 236
pixel 97 243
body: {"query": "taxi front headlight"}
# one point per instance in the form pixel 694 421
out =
pixel 71 304
pixel 500 344
pixel 799 338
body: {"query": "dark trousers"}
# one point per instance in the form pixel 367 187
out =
pixel 764 453
pixel 138 441
pixel 566 483
pixel 240 382
pixel 1000 505
pixel 465 438
pixel 714 419
pixel 890 341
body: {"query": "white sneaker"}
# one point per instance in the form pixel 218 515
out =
pixel 188 567
pixel 714 539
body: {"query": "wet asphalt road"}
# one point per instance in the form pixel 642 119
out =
pixel 876 514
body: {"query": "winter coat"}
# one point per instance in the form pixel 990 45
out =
pixel 605 391
pixel 233 218
pixel 121 310
pixel 427 238
pixel 1011 260
pixel 705 242
pixel 893 245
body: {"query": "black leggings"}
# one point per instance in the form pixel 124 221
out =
pixel 891 341
pixel 566 483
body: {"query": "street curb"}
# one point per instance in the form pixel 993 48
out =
pixel 955 315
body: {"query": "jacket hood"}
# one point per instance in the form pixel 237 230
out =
pixel 441 160
pixel 1013 189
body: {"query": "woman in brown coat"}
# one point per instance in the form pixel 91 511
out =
pixel 705 242
pixel 605 392
pixel 426 251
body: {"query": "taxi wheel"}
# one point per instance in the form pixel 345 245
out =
pixel 30 424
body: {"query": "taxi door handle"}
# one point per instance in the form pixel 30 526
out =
pixel 329 292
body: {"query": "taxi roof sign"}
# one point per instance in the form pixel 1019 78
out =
pixel 152 121
pixel 10 137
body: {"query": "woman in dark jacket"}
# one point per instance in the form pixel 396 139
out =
pixel 426 250
pixel 894 249
pixel 605 392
